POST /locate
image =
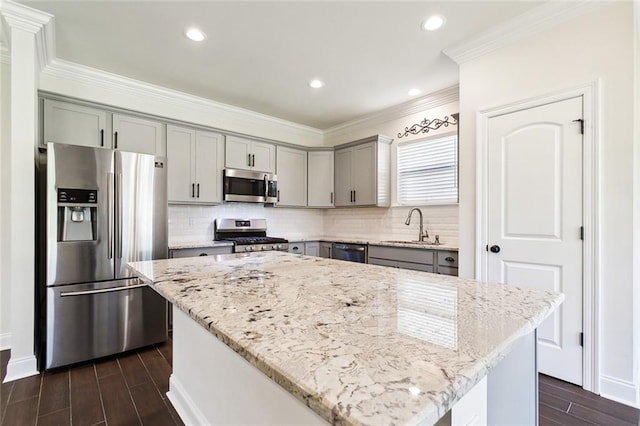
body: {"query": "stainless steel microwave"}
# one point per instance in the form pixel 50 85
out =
pixel 250 187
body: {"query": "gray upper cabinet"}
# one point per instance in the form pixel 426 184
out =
pixel 75 125
pixel 320 182
pixel 292 177
pixel 247 154
pixel 135 134
pixel 362 173
pixel 195 162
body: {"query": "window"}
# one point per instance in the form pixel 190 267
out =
pixel 428 171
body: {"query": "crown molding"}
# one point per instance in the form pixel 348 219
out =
pixel 539 19
pixel 39 23
pixel 433 100
pixel 82 74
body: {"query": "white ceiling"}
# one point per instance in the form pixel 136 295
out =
pixel 261 55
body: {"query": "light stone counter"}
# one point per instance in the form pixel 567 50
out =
pixel 374 242
pixel 359 344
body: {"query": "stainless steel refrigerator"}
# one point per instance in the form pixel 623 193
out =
pixel 98 210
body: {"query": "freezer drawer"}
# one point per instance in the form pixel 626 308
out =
pixel 86 321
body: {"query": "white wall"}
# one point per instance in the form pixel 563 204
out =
pixel 5 138
pixel 595 46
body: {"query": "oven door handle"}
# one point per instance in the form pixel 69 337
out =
pixel 347 248
pixel 266 187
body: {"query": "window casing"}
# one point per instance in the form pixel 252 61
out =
pixel 427 171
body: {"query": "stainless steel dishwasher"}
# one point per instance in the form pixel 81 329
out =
pixel 350 252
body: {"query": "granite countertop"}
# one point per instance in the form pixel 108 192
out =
pixel 368 241
pixel 358 344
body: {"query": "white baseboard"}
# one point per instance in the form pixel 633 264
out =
pixel 621 391
pixel 183 404
pixel 5 341
pixel 21 367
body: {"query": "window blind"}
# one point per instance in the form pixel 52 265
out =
pixel 428 171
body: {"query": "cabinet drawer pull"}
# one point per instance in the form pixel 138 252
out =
pixel 449 259
pixel 203 254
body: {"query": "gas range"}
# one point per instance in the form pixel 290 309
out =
pixel 248 235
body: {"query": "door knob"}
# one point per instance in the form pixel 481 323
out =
pixel 495 249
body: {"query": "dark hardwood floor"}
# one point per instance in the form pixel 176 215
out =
pixel 130 389
pixel 562 403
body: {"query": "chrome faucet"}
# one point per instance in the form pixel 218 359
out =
pixel 423 232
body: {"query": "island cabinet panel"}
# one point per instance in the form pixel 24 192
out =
pixel 419 259
pixel 320 181
pixel 75 125
pixel 195 164
pixel 292 177
pixel 135 134
pixel 362 173
pixel 247 154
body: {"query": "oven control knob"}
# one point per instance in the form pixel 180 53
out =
pixel 279 247
pixel 248 248
pixel 263 248
pixel 274 247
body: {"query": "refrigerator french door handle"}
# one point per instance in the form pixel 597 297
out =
pixel 110 213
pixel 103 290
pixel 119 215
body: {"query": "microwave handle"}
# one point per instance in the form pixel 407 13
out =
pixel 266 187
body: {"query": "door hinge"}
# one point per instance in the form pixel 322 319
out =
pixel 581 339
pixel 581 121
pixel 582 233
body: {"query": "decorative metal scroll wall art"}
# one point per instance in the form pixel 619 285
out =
pixel 425 125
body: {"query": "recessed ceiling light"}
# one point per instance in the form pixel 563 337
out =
pixel 433 23
pixel 316 84
pixel 414 92
pixel 195 34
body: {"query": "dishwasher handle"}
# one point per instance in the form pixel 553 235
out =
pixel 348 248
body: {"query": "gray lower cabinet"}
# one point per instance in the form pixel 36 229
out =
pixel 326 250
pixel 296 247
pixel 312 248
pixel 436 261
pixel 199 251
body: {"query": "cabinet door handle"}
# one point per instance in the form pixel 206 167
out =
pixel 351 196
pixel 331 198
pixel 253 160
pixel 449 259
pixel 101 137
pixel 193 190
pixel 249 160
pixel 278 195
pixel 354 195
pixel 203 254
pixel 116 140
pixel 198 194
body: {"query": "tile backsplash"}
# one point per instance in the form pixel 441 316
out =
pixel 195 223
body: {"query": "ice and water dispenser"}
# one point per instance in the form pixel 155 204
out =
pixel 77 214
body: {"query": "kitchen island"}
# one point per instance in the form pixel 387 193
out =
pixel 356 344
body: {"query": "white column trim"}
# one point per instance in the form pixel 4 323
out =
pixel 591 251
pixel 5 341
pixel 36 22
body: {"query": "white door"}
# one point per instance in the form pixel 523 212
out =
pixel 364 172
pixel 320 179
pixel 292 176
pixel 263 157
pixel 75 125
pixel 237 153
pixel 342 181
pixel 534 169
